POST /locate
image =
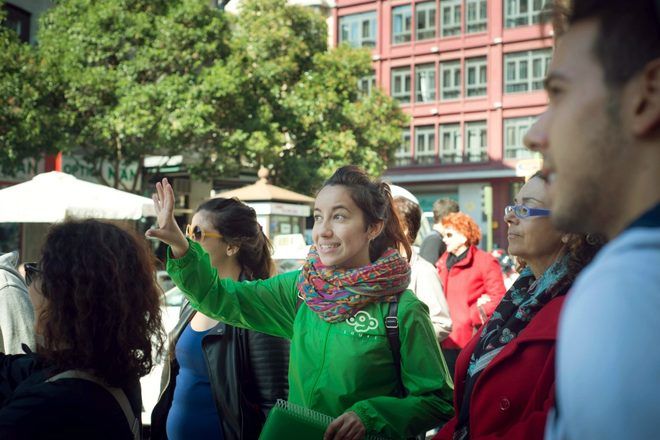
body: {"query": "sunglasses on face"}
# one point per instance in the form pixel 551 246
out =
pixel 522 211
pixel 196 233
pixel 32 271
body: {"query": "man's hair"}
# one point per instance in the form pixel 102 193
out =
pixel 628 34
pixel 442 207
pixel 410 216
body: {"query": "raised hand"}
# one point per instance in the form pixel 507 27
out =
pixel 168 231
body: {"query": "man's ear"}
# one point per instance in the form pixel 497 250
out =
pixel 646 116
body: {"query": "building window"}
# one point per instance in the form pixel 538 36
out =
pixel 425 20
pixel 401 84
pixel 358 30
pixel 525 71
pixel 475 77
pixel 401 24
pixel 451 17
pixel 425 83
pixel 450 143
pixel 367 83
pixel 522 12
pixel 476 16
pixel 450 72
pixel 476 141
pixel 19 20
pixel 514 132
pixel 402 154
pixel 425 144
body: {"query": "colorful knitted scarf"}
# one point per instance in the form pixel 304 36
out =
pixel 337 294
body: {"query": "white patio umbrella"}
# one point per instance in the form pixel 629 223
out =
pixel 54 196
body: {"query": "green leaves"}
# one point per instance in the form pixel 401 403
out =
pixel 26 122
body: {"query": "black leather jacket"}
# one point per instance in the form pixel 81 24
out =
pixel 247 371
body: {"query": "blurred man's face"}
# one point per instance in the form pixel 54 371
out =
pixel 579 135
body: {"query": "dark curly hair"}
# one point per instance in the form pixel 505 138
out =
pixel 238 225
pixel 102 309
pixel 374 199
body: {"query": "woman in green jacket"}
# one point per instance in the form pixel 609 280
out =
pixel 334 311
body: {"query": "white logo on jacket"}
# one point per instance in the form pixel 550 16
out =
pixel 363 322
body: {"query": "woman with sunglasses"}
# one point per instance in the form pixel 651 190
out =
pixel 334 312
pixel 505 374
pixel 221 380
pixel 97 320
pixel 472 280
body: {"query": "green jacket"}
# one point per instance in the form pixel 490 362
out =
pixel 339 367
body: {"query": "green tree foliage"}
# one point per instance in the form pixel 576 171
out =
pixel 137 77
pixel 26 121
pixel 129 73
pixel 312 117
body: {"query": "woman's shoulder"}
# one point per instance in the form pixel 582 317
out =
pixel 63 402
pixel 410 303
pixel 483 258
pixel 286 278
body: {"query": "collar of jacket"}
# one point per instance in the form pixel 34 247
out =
pixel 543 327
pixel 467 261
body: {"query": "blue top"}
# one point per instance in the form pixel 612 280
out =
pixel 608 364
pixel 193 413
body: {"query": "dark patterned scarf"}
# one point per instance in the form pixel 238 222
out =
pixel 337 294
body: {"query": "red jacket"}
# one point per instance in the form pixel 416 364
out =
pixel 513 395
pixel 476 274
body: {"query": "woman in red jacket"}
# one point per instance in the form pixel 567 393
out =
pixel 504 379
pixel 472 280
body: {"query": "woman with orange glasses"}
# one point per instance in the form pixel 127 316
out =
pixel 221 381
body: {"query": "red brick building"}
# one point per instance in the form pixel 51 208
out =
pixel 470 74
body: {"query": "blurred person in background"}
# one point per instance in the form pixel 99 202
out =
pixel 505 376
pixel 508 266
pixel 424 280
pixel 433 247
pixel 472 280
pixel 98 328
pixel 221 381
pixel 16 314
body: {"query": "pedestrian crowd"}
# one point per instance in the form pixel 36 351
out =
pixel 373 337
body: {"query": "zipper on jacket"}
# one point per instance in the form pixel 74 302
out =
pixel 318 377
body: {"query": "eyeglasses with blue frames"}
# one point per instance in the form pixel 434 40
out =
pixel 522 211
pixel 32 271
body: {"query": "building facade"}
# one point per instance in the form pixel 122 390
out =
pixel 23 16
pixel 470 74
